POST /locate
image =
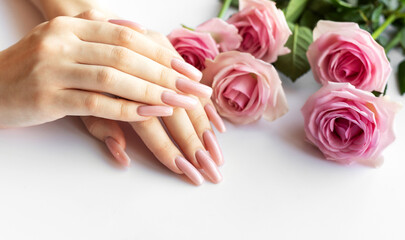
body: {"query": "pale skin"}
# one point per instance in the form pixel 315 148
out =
pixel 64 66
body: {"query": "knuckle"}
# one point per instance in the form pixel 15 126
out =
pixel 120 55
pixel 201 120
pixel 161 53
pixel 125 36
pixel 165 75
pixel 191 138
pixel 124 111
pixel 149 92
pixel 57 23
pixel 164 147
pixel 105 77
pixel 44 46
pixel 91 103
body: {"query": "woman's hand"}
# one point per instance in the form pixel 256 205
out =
pixel 190 130
pixel 64 67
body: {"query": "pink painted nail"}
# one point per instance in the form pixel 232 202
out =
pixel 211 144
pixel 179 100
pixel 116 150
pixel 189 170
pixel 208 165
pixel 214 117
pixel 193 87
pixel 133 25
pixel 186 69
pixel 156 111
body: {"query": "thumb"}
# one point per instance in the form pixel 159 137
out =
pixel 111 133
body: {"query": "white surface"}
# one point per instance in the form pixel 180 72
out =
pixel 57 182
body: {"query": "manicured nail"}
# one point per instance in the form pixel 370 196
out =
pixel 211 144
pixel 186 69
pixel 214 117
pixel 155 111
pixel 133 25
pixel 116 150
pixel 189 170
pixel 208 165
pixel 179 100
pixel 193 87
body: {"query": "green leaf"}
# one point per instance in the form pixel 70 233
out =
pixel 376 93
pixel 341 3
pixel 376 15
pixel 234 3
pixel 309 19
pixel 295 64
pixel 295 9
pixel 401 77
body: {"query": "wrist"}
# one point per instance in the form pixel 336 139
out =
pixel 53 8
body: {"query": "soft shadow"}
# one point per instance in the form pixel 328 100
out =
pixel 295 135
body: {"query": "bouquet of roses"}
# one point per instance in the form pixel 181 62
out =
pixel 348 119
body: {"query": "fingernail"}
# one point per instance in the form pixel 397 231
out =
pixel 156 111
pixel 133 25
pixel 186 69
pixel 214 117
pixel 179 100
pixel 189 170
pixel 211 144
pixel 193 87
pixel 116 150
pixel 208 165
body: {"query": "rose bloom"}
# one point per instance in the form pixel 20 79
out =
pixel 245 88
pixel 194 46
pixel 263 28
pixel 348 124
pixel 342 52
pixel 226 35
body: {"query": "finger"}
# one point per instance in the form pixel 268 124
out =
pixel 156 139
pixel 202 126
pixel 183 133
pixel 82 103
pixel 213 115
pixel 112 81
pixel 111 133
pixel 139 66
pixel 113 34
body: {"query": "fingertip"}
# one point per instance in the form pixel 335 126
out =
pixel 117 151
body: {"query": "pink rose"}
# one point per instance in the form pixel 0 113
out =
pixel 348 124
pixel 263 28
pixel 225 34
pixel 342 52
pixel 245 88
pixel 193 46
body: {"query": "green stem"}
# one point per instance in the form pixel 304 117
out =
pixel 224 8
pixel 387 22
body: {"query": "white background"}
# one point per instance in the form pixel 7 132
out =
pixel 57 182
